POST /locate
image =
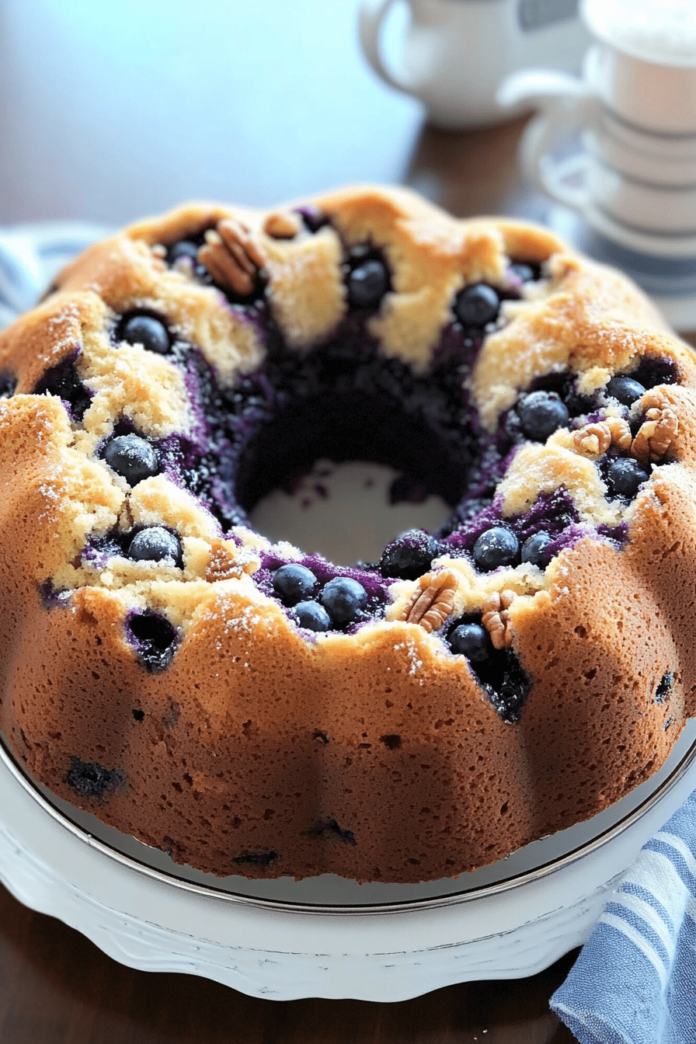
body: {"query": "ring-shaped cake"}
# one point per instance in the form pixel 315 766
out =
pixel 254 709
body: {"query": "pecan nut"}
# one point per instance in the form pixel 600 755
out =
pixel 223 563
pixel 282 225
pixel 593 438
pixel 496 618
pixel 620 432
pixel 433 601
pixel 656 434
pixel 231 256
pixel 597 438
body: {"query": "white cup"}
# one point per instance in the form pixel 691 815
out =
pixel 457 52
pixel 634 176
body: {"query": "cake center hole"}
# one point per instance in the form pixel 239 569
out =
pixel 347 511
pixel 344 475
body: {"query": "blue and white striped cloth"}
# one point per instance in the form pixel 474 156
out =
pixel 635 980
pixel 30 256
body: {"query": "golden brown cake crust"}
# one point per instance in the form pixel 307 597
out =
pixel 374 754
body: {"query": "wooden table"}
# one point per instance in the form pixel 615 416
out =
pixel 57 988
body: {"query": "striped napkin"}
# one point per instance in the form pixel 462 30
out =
pixel 30 255
pixel 635 979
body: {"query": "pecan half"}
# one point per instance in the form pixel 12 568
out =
pixel 223 562
pixel 496 618
pixel 282 225
pixel 597 438
pixel 231 256
pixel 593 438
pixel 656 433
pixel 433 602
pixel 620 432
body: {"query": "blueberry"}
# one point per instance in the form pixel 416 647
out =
pixel 312 615
pixel 368 283
pixel 409 556
pixel 312 218
pixel 155 641
pixel 91 779
pixel 181 250
pixel 293 583
pixel 343 598
pixel 625 476
pixel 534 549
pixel 147 331
pixel 62 380
pixel 625 389
pixel 477 305
pixel 526 273
pixel 472 641
pixel 132 457
pixel 496 547
pixel 155 544
pixel 541 413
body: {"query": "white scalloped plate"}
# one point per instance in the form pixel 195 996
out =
pixel 326 937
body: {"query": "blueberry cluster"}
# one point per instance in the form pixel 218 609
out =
pixel 313 218
pixel 341 601
pixel 541 412
pixel 499 546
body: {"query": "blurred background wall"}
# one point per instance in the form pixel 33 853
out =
pixel 111 109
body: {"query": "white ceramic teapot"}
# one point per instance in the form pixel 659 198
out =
pixel 457 52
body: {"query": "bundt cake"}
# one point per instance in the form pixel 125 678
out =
pixel 253 709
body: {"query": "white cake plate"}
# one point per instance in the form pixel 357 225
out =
pixel 326 937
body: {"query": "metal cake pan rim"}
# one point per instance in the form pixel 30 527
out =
pixel 454 898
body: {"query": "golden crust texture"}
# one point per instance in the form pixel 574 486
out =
pixel 373 752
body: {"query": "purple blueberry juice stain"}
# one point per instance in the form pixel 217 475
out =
pixel 312 218
pixel 90 779
pixel 154 639
pixel 376 587
pixel 329 829
pixel 52 598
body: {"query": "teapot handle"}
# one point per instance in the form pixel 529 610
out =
pixel 371 19
pixel 566 104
